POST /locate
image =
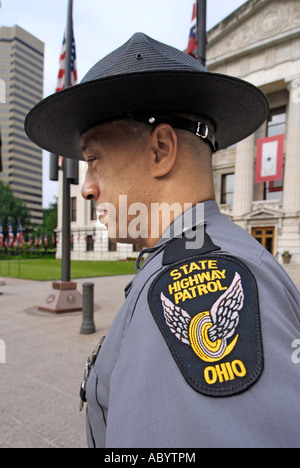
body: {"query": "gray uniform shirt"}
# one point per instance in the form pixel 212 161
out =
pixel 137 395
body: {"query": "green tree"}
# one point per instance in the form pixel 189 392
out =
pixel 13 208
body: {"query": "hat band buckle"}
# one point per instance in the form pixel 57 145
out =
pixel 200 126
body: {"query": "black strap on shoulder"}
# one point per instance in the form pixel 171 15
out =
pixel 198 128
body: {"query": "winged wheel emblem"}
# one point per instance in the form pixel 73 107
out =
pixel 208 332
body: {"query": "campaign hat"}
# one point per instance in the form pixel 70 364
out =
pixel 146 76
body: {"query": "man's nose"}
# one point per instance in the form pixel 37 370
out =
pixel 90 189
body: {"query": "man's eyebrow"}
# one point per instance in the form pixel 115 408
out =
pixel 85 143
pixel 90 141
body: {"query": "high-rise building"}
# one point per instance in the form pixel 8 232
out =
pixel 21 87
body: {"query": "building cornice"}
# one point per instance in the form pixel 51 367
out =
pixel 253 27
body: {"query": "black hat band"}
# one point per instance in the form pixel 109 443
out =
pixel 199 129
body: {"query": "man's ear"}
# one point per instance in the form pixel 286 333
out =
pixel 164 147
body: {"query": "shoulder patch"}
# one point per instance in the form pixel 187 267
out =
pixel 207 309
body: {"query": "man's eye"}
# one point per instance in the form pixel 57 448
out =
pixel 91 160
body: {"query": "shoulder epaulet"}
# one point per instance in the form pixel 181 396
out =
pixel 185 247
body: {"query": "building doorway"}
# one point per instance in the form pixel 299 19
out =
pixel 265 236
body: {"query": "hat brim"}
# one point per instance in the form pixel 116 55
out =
pixel 236 107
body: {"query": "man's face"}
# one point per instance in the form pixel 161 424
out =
pixel 117 154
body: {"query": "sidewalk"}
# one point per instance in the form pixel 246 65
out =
pixel 45 359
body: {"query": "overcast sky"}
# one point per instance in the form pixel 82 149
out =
pixel 101 26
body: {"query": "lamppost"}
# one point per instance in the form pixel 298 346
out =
pixel 201 31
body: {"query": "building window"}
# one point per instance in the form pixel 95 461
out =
pixel 265 236
pixel 73 209
pixel 112 246
pixel 276 126
pixel 93 211
pixel 277 122
pixel 227 189
pixel 89 244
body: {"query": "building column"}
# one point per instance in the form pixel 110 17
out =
pixel 244 176
pixel 291 193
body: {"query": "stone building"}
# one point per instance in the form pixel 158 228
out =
pixel 260 43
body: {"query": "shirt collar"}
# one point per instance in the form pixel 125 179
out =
pixel 201 213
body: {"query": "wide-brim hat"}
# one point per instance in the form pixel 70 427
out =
pixel 145 75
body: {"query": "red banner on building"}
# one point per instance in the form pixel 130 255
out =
pixel 270 159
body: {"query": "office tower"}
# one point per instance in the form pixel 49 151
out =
pixel 21 87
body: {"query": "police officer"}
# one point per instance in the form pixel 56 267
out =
pixel 200 354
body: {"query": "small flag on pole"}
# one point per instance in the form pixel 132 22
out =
pixel 270 156
pixel 20 238
pixel 192 44
pixel 1 236
pixel 62 66
pixel 11 237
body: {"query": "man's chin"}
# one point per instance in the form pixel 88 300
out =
pixel 128 240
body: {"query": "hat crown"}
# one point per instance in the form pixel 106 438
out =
pixel 143 54
pixel 144 75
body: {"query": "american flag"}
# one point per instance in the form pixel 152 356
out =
pixel 11 237
pixel 20 238
pixel 1 236
pixel 192 45
pixel 62 66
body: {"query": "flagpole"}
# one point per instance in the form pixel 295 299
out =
pixel 66 191
pixel 201 31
